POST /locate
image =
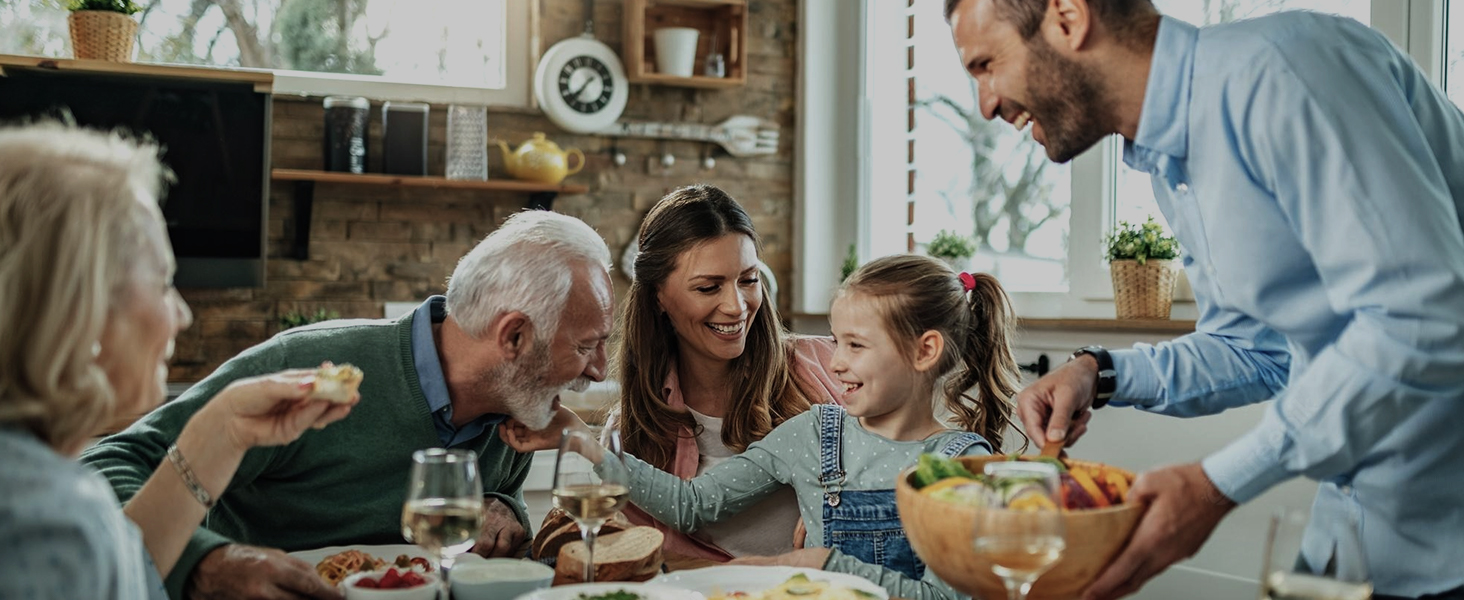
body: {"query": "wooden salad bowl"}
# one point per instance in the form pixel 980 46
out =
pixel 943 535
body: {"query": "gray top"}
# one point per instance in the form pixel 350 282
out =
pixel 789 455
pixel 64 534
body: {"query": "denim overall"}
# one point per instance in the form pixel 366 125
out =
pixel 865 524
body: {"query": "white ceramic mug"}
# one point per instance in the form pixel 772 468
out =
pixel 676 50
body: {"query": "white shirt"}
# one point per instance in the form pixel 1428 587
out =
pixel 765 529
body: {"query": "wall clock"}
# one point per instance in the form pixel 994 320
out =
pixel 580 84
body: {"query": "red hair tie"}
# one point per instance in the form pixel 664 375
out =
pixel 968 281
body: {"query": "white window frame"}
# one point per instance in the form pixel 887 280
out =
pixel 521 52
pixel 832 89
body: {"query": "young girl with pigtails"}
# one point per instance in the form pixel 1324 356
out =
pixel 912 337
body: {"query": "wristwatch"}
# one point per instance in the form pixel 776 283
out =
pixel 1107 377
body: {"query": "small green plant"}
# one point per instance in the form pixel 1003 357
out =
pixel 851 263
pixel 1141 242
pixel 949 244
pixel 126 7
pixel 293 319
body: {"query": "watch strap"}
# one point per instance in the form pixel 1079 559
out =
pixel 1107 382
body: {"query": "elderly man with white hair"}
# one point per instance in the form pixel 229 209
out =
pixel 526 316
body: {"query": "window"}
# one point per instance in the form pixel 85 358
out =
pixel 1454 51
pixel 395 48
pixel 954 169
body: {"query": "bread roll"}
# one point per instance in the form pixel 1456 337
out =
pixel 337 383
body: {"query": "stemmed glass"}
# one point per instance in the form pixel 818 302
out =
pixel 1288 576
pixel 590 484
pixel 444 508
pixel 1020 532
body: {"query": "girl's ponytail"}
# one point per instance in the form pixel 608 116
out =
pixel 989 366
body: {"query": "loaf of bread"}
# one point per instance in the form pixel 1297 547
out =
pixel 630 555
pixel 559 529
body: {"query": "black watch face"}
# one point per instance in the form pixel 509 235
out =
pixel 585 84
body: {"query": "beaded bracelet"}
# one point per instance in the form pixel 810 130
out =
pixel 189 479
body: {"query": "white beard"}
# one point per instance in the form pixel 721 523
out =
pixel 525 396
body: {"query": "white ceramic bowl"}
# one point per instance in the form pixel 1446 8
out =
pixel 427 591
pixel 643 591
pixel 499 579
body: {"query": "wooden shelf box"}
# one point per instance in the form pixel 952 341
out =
pixel 724 20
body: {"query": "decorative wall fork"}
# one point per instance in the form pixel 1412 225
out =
pixel 740 135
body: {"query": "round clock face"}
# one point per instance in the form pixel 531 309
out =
pixel 580 85
pixel 585 84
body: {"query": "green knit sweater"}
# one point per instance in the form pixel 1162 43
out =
pixel 344 484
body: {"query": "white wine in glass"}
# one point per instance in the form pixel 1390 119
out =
pixel 1020 532
pixel 444 508
pixel 1287 576
pixel 590 484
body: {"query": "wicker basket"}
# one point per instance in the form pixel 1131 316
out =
pixel 1143 291
pixel 102 35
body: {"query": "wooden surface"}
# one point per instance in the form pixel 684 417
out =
pixel 412 181
pixel 1142 325
pixel 263 81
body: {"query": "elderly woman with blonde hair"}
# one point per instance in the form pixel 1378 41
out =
pixel 88 315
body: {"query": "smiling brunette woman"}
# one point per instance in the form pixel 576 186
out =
pixel 89 315
pixel 705 365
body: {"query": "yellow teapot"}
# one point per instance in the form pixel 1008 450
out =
pixel 540 160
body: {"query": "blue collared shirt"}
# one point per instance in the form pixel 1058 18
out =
pixel 434 384
pixel 1315 179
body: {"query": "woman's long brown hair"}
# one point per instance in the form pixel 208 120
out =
pixel 917 294
pixel 764 392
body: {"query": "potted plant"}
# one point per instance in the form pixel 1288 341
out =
pixel 955 249
pixel 103 29
pixel 1140 258
pixel 293 319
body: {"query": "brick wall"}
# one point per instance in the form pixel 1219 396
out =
pixel 370 245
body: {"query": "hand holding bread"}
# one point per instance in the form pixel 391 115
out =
pixel 275 409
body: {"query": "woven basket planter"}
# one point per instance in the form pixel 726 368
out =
pixel 1143 291
pixel 102 35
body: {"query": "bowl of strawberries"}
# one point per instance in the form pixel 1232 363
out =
pixel 391 584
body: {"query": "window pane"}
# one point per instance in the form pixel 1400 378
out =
pixel 1454 52
pixel 443 42
pixel 1134 198
pixel 982 178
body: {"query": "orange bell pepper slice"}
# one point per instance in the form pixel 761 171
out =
pixel 1086 482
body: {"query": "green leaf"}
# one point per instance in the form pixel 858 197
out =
pixel 1140 242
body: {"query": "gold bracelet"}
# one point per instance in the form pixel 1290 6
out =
pixel 189 479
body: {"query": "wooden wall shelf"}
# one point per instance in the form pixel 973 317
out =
pixel 721 21
pixel 541 196
pixel 263 81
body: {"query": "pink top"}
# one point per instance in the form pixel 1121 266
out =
pixel 811 356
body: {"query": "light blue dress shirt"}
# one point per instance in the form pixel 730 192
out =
pixel 1315 178
pixel 434 384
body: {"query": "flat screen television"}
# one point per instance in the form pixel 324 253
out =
pixel 215 138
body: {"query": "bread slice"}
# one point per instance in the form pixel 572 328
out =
pixel 337 383
pixel 560 529
pixel 630 555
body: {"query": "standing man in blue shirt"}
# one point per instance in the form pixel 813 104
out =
pixel 1315 179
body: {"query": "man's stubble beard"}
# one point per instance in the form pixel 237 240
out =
pixel 1067 101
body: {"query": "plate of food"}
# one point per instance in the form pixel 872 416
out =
pixel 336 563
pixel 626 590
pixel 747 582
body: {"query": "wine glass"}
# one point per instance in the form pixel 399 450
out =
pixel 1020 531
pixel 590 484
pixel 1287 573
pixel 444 508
